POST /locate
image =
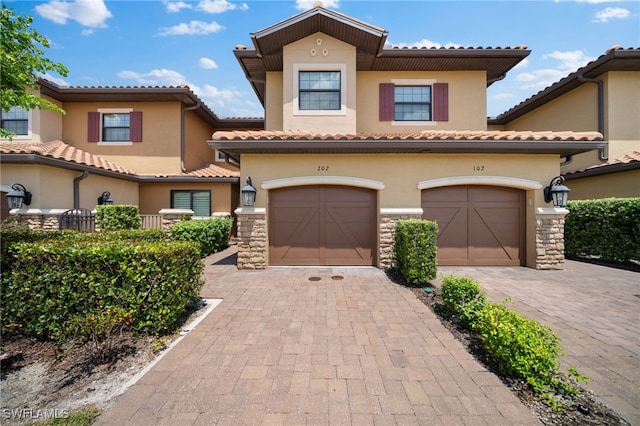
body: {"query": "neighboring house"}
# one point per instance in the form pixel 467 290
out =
pixel 358 135
pixel 145 145
pixel 602 96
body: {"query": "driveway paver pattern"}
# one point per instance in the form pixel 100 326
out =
pixel 349 348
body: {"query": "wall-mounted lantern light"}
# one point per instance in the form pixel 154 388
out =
pixel 557 192
pixel 248 194
pixel 105 199
pixel 17 196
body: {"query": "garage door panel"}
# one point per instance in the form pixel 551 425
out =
pixel 341 230
pixel 486 229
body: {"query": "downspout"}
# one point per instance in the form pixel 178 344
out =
pixel 76 189
pixel 600 84
pixel 191 108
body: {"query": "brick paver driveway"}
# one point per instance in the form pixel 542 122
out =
pixel 349 348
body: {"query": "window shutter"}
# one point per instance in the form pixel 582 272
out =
pixel 441 102
pixel 386 102
pixel 93 128
pixel 202 203
pixel 135 123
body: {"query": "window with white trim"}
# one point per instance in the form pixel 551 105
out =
pixel 16 121
pixel 412 103
pixel 197 200
pixel 114 126
pixel 319 89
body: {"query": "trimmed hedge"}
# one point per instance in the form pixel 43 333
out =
pixel 462 300
pixel 55 285
pixel 608 229
pixel 212 234
pixel 115 217
pixel 415 250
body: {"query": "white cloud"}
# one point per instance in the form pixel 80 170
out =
pixel 157 77
pixel 540 79
pixel 176 6
pixel 207 63
pixel 425 43
pixel 57 80
pixel 191 28
pixel 612 13
pixel 596 1
pixel 88 13
pixel 501 96
pixel 308 4
pixel 569 61
pixel 219 6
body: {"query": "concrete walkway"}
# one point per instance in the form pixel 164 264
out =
pixel 339 346
pixel 596 312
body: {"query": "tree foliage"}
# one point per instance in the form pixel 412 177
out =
pixel 22 63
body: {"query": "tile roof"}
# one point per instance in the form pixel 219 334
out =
pixel 630 160
pixel 427 135
pixel 58 150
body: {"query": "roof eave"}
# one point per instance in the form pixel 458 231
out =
pixel 603 170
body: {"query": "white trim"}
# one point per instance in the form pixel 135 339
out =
pixel 218 156
pixel 414 123
pixel 250 210
pixel 115 110
pixel 414 81
pixel 38 211
pixel 176 211
pixel 401 211
pixel 29 135
pixel 552 211
pixel 320 67
pixel 111 143
pixel 481 180
pixel 103 111
pixel 5 188
pixel 323 180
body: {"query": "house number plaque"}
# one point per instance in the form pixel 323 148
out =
pixel 478 168
pixel 323 168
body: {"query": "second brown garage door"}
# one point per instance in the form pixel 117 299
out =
pixel 322 225
pixel 477 225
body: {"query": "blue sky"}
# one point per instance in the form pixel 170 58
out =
pixel 168 42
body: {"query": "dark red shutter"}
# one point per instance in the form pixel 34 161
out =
pixel 386 102
pixel 93 127
pixel 441 102
pixel 135 126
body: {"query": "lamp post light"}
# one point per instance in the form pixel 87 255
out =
pixel 557 192
pixel 17 196
pixel 105 199
pixel 248 194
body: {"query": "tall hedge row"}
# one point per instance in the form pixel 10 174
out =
pixel 608 229
pixel 415 250
pixel 55 284
pixel 118 216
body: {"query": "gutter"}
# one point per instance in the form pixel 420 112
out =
pixel 182 111
pixel 600 84
pixel 76 189
pixel 231 161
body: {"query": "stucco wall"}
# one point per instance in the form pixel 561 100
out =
pixel 313 53
pixel 157 196
pixel 274 101
pixel 619 185
pixel 159 151
pixel 197 151
pixel 52 188
pixel 623 112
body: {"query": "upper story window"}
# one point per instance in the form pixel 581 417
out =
pixel 114 126
pixel 412 103
pixel 319 90
pixel 16 120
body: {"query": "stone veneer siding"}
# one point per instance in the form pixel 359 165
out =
pixel 550 238
pixel 388 231
pixel 252 238
pixel 38 219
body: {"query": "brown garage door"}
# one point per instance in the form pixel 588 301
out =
pixel 478 225
pixel 322 225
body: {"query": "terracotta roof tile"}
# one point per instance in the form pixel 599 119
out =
pixel 630 158
pixel 208 171
pixel 61 151
pixel 273 135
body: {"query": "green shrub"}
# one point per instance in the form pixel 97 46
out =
pixel 54 285
pixel 521 346
pixel 462 300
pixel 212 234
pixel 114 217
pixel 608 229
pixel 415 250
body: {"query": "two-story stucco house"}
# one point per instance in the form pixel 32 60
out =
pixel 144 145
pixel 358 135
pixel 602 96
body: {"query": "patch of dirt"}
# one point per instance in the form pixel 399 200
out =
pixel 40 377
pixel 582 409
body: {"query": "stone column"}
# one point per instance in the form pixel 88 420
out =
pixel 550 238
pixel 252 238
pixel 388 218
pixel 38 219
pixel 171 216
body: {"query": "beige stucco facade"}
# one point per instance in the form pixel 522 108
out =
pixel 619 185
pixel 157 195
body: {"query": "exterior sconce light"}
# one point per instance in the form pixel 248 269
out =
pixel 557 192
pixel 105 199
pixel 248 194
pixel 17 196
